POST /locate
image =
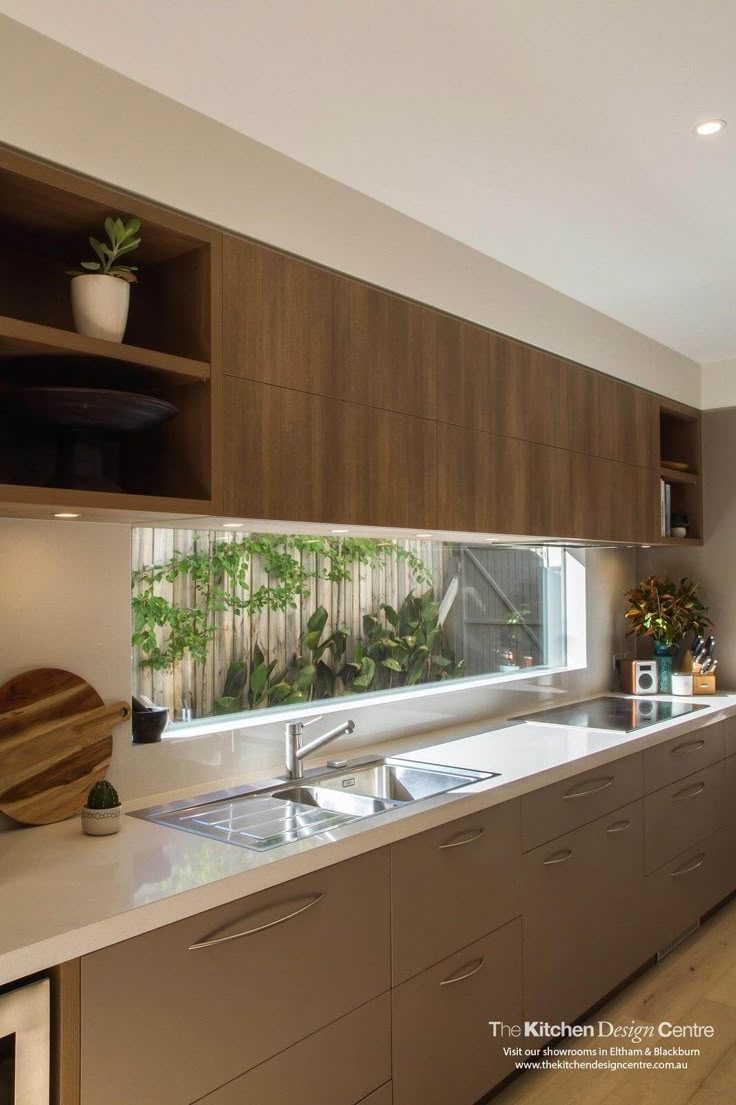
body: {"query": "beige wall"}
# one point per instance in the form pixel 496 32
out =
pixel 714 563
pixel 718 384
pixel 65 601
pixel 71 110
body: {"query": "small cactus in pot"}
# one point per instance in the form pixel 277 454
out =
pixel 103 814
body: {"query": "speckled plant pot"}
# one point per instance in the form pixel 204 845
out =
pixel 102 822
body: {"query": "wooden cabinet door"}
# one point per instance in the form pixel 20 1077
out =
pixel 490 382
pixel 443 1048
pixel 338 1065
pixel 294 324
pixel 453 884
pixel 304 458
pixel 270 970
pixel 613 501
pixel 611 419
pixel 493 484
pixel 684 889
pixel 581 896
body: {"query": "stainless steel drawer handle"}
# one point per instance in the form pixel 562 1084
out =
pixel 690 746
pixel 463 838
pixel 210 941
pixel 558 857
pixel 467 971
pixel 599 784
pixel 619 826
pixel 689 792
pixel 697 862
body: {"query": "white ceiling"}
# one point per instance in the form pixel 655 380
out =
pixel 554 135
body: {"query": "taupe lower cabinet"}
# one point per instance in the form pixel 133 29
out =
pixel 373 981
pixel 192 1009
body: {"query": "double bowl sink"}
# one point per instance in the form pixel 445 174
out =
pixel 288 811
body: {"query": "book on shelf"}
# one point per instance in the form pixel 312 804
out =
pixel 665 506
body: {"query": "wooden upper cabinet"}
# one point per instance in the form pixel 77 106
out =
pixel 493 383
pixel 291 323
pixel 299 457
pixel 495 484
pixel 611 419
pixel 613 501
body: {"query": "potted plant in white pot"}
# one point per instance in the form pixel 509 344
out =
pixel 103 814
pixel 101 294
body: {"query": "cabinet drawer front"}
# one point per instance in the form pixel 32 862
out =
pixel 443 1049
pixel 682 814
pixel 337 1066
pixel 185 1021
pixel 729 791
pixel 453 884
pixel 685 888
pixel 579 893
pixel 729 733
pixel 682 756
pixel 563 806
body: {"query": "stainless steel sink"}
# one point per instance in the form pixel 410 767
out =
pixel 400 780
pixel 284 812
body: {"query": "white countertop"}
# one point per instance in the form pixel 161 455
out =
pixel 64 894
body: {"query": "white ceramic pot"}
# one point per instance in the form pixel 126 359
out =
pixel 100 305
pixel 679 531
pixel 102 822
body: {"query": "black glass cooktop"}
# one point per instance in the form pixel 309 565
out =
pixel 623 715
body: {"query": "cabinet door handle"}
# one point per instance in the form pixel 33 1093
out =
pixel 463 838
pixel 598 784
pixel 467 971
pixel 697 862
pixel 619 826
pixel 689 792
pixel 558 857
pixel 689 746
pixel 214 938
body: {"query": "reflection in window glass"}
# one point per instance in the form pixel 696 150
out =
pixel 226 622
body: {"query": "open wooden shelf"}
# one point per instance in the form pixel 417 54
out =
pixel 672 476
pixel 23 339
pixel 171 351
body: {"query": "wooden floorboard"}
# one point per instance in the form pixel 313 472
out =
pixel 696 984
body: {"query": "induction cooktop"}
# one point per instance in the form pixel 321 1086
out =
pixel 622 715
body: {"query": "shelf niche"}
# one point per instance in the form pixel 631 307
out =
pixel 172 338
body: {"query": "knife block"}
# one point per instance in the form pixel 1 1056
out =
pixel 703 684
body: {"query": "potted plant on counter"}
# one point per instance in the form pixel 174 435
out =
pixel 103 814
pixel 666 611
pixel 101 294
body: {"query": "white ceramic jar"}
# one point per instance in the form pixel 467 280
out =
pixel 100 305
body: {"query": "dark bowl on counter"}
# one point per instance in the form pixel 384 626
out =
pixel 149 725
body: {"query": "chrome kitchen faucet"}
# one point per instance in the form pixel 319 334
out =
pixel 296 751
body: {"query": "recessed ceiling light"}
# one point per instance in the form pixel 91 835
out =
pixel 645 546
pixel 490 539
pixel 709 127
pixel 66 514
pixel 424 535
pixel 339 531
pixel 232 525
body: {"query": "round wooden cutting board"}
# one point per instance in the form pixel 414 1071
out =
pixel 55 742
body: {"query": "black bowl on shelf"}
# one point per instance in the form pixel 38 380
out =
pixel 91 423
pixel 149 725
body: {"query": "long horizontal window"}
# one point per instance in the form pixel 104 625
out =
pixel 227 622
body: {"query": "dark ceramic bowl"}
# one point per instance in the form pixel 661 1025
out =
pixel 148 725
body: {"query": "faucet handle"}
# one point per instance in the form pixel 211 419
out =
pixel 311 721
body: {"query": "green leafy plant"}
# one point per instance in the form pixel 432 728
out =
pixel 666 610
pixel 103 796
pixel 402 648
pixel 121 241
pixel 252 685
pixel 219 573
